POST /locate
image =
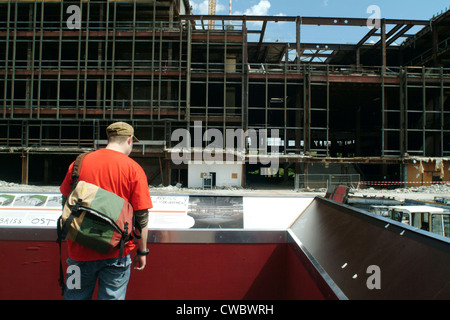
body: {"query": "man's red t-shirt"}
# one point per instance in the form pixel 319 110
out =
pixel 115 172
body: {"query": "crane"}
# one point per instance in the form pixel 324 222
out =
pixel 211 12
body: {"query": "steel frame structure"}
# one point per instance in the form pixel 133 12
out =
pixel 154 64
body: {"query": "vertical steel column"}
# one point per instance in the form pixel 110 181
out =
pixel 99 56
pixel 33 53
pixel 435 42
pixel 188 74
pixel 403 126
pixel 25 133
pixel 105 71
pixel 207 80
pixel 133 52
pixel 424 111
pixel 169 62
pixel 298 23
pixel 153 59
pixel 307 108
pixel 5 88
pixel 77 100
pixel 383 115
pixel 406 107
pixel 13 74
pixel 383 70
pixel 160 67
pixel 180 69
pixel 328 110
pixel 266 100
pixel 41 136
pixel 285 118
pixel 225 49
pixel 245 75
pixel 402 100
pixel 442 109
pixel 113 60
pixel 58 78
pixel 41 42
pixel 86 59
pixel 28 59
pixel 298 122
pixel 358 59
pixel 25 165
pixel 96 128
pixel 383 44
pixel 7 133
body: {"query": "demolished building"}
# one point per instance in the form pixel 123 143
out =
pixel 375 108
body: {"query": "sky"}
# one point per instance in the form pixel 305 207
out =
pixel 285 32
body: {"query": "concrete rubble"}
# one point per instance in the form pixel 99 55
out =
pixel 417 192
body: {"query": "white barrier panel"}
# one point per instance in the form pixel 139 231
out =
pixel 30 209
pixel 169 211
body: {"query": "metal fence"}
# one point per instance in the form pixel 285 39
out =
pixel 325 180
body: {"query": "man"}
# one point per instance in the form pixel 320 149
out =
pixel 112 169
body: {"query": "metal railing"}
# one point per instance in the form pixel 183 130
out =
pixel 302 181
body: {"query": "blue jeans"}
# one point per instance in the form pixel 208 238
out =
pixel 112 279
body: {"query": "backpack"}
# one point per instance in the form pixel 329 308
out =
pixel 94 217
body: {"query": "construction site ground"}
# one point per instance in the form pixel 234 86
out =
pixel 424 193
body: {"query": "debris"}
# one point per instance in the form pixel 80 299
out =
pixel 416 192
pixel 11 186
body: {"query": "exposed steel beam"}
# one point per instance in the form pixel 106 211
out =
pixel 325 21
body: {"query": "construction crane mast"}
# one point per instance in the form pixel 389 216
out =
pixel 211 12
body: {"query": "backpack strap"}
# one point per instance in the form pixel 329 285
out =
pixel 122 242
pixel 62 229
pixel 77 168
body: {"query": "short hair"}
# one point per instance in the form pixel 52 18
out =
pixel 118 139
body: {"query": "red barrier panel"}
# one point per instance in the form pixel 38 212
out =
pixel 30 270
pixel 211 271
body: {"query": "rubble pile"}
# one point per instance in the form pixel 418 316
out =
pixel 428 191
pixel 11 186
pixel 431 189
pixel 435 188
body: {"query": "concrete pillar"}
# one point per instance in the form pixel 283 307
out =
pixel 286 172
pixel 244 175
pixel 167 172
pixel 25 165
pixel 46 171
pixel 404 168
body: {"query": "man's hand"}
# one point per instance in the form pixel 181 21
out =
pixel 139 262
